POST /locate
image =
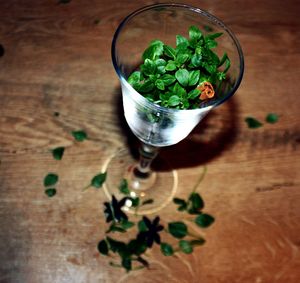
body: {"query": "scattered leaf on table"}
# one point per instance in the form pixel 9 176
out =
pixel 204 220
pixel 50 180
pixel 79 135
pixel 253 123
pixel 272 118
pixel 166 249
pixel 177 229
pixel 185 246
pixel 58 153
pixel 98 180
pixel 50 192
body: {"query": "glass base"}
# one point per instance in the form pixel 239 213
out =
pixel 155 190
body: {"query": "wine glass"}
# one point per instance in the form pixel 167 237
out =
pixel 156 126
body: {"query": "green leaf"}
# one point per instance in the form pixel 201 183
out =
pixel 169 51
pixel 168 79
pixel 185 246
pixel 194 33
pixel 194 77
pixel 212 58
pixel 193 93
pixel 223 59
pixel 160 62
pixel 160 66
pixel 58 153
pixel 134 78
pixel 79 135
pixel 210 43
pixel 210 68
pixel 204 220
pixel 182 76
pixel 182 204
pixel 123 187
pixel 153 78
pixel 147 86
pixel 171 66
pixel 166 249
pixel 160 84
pixel 154 51
pixel 185 103
pixel 50 180
pixel 182 58
pixel 272 118
pixel 177 229
pixel 213 35
pixel 227 65
pixel 196 60
pixel 182 41
pixel 98 180
pixel 149 67
pixel 103 247
pixel 50 192
pixel 179 90
pixel 174 100
pixel 197 201
pixel 253 123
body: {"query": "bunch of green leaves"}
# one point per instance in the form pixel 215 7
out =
pixel 169 76
pixel 149 232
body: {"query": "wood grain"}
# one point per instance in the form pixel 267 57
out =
pixel 57 59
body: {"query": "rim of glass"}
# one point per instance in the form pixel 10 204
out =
pixel 196 10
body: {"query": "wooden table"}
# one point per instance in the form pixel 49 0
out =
pixel 56 76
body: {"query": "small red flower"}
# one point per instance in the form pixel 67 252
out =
pixel 207 90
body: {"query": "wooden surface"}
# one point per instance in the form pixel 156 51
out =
pixel 57 59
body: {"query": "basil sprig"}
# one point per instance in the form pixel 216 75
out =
pixel 170 76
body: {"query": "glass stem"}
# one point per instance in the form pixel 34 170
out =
pixel 147 155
